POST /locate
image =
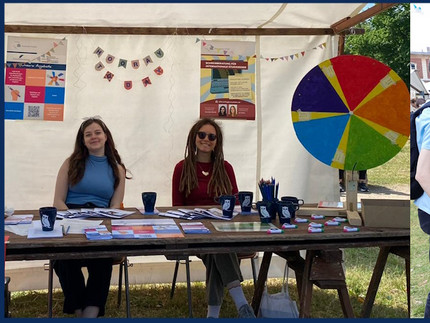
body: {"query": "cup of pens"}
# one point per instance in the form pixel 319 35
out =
pixel 269 191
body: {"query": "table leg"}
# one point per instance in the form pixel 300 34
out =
pixel 306 293
pixel 261 281
pixel 374 282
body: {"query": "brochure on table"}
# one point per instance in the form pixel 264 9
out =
pixel 145 229
pixel 94 213
pixel 197 214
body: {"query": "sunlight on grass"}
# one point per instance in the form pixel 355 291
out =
pixel 420 285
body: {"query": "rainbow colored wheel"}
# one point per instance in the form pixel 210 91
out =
pixel 351 112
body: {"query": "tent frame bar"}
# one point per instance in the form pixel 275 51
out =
pixel 43 29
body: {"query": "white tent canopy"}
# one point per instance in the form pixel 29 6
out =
pixel 150 124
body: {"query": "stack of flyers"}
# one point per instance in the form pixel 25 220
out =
pixel 194 227
pixel 98 233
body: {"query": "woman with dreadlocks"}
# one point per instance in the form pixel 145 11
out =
pixel 197 180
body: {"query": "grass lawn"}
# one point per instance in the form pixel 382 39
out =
pixel 420 285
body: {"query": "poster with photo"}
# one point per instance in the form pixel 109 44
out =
pixel 227 80
pixel 35 78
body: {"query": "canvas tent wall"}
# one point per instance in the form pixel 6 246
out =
pixel 150 124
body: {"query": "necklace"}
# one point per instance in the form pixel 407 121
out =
pixel 205 173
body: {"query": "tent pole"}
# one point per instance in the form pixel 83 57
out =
pixel 258 116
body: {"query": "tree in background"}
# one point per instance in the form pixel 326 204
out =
pixel 386 39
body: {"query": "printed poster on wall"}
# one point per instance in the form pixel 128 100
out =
pixel 227 80
pixel 35 78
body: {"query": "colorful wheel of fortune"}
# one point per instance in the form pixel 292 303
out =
pixel 351 112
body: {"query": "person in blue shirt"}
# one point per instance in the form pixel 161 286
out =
pixel 422 123
pixel 93 176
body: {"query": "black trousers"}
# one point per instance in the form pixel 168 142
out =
pixel 361 174
pixel 77 294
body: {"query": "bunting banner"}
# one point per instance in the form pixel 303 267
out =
pixel 227 79
pixel 113 62
pixel 35 78
pixel 295 56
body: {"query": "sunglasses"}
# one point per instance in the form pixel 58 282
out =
pixel 202 135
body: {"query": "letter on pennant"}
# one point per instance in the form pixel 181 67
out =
pixel 135 64
pixel 146 81
pixel 128 85
pixel 159 70
pixel 159 53
pixel 110 58
pixel 147 60
pixel 99 51
pixel 109 76
pixel 122 63
pixel 99 66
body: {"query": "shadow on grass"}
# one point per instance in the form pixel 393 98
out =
pixel 153 301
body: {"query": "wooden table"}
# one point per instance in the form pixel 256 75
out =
pixel 77 246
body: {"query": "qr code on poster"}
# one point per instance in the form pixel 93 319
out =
pixel 33 111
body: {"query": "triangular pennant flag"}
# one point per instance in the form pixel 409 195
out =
pixel 158 70
pixel 324 44
pixel 52 50
pixel 49 54
pixel 204 43
pixel 297 55
pixel 98 51
pixel 267 58
pixel 128 85
pixel 55 44
pixel 122 63
pixel 109 76
pixel 314 48
pixel 146 81
pixel 303 53
pixel 211 47
pixel 286 58
pixel 197 40
pixel 292 57
pixel 320 46
pixel 159 53
pixel 135 64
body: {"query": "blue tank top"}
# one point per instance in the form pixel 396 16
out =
pixel 96 186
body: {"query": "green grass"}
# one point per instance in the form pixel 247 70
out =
pixel 398 165
pixel 420 285
pixel 153 301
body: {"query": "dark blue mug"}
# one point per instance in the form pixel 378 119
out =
pixel 48 215
pixel 286 211
pixel 227 203
pixel 265 210
pixel 149 199
pixel 296 201
pixel 245 199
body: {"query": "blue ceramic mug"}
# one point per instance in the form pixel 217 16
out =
pixel 245 199
pixel 149 199
pixel 48 215
pixel 286 211
pixel 227 203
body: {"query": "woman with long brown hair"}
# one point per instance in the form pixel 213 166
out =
pixel 93 176
pixel 200 177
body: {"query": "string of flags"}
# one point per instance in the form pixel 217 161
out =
pixel 229 52
pixel 122 63
pixel 294 56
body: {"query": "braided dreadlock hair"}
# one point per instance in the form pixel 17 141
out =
pixel 219 183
